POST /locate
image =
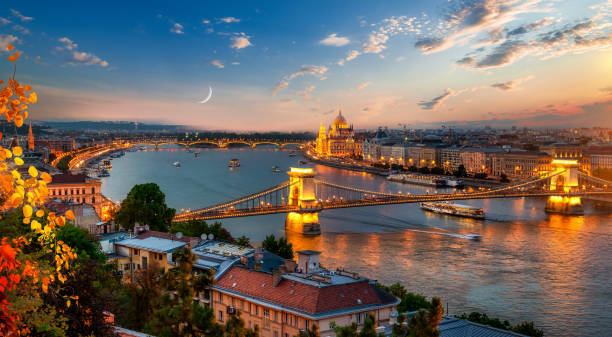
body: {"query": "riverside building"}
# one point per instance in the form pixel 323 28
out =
pixel 338 141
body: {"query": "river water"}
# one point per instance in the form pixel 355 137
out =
pixel 555 270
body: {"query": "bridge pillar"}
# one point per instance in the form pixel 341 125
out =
pixel 302 194
pixel 564 183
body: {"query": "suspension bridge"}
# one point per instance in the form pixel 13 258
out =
pixel 303 196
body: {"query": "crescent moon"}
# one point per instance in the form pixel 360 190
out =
pixel 209 96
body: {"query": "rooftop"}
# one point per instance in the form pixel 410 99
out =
pixel 153 244
pixel 69 178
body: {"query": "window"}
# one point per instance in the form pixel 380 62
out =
pixel 358 316
pixel 256 311
pixel 266 321
pixel 275 333
pixel 220 315
pixel 93 190
pixel 233 302
pixel 136 252
pixel 276 316
pixel 306 324
pixel 242 304
pixel 220 298
pixel 83 192
pixel 77 191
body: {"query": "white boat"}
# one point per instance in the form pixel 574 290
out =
pixel 234 163
pixel 275 169
pixel 473 236
pixel 176 164
pixel 453 209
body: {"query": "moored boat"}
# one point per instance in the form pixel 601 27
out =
pixel 234 163
pixel 454 209
pixel 275 169
pixel 176 164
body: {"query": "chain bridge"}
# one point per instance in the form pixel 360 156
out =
pixel 303 197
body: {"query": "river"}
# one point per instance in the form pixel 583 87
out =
pixel 552 269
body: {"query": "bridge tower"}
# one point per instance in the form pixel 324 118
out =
pixel 302 194
pixel 565 182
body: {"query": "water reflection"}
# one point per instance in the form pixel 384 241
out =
pixel 530 266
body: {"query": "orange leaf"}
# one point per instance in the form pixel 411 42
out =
pixel 12 58
pixel 10 47
pixel 69 215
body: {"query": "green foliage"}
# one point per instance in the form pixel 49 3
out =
pixel 346 331
pixel 281 247
pixel 369 327
pixel 145 204
pixel 137 298
pixel 63 164
pixel 425 322
pixel 525 328
pixel 409 301
pixel 460 172
pixel 235 327
pixel 196 228
pixel 424 170
pixel 399 328
pixel 312 332
pixel 397 166
pixel 413 169
pixel 12 224
pixel 82 242
pixel 481 175
pixel 437 170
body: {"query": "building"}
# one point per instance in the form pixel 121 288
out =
pixel 78 188
pixel 600 157
pixel 148 248
pixel 420 156
pixel 282 298
pixel 520 164
pixel 85 216
pixel 450 159
pixel 455 327
pixel 338 141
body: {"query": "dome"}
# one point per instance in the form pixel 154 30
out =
pixel 340 121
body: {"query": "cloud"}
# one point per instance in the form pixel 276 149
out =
pixel 376 43
pixel 332 111
pixel 241 41
pixel 4 21
pixel 429 44
pixel 349 57
pixel 206 22
pixel 607 90
pixel 5 40
pixel 335 41
pixel 229 19
pixel 177 28
pixel 468 60
pixel 235 63
pixel 510 85
pixel 20 16
pixel 306 93
pixel 435 102
pixel 78 57
pixel 530 27
pixel 21 29
pixel 502 55
pixel 217 64
pixel 317 71
pixel 363 85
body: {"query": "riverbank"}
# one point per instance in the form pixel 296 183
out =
pixel 469 182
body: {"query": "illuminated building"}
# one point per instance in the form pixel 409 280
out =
pixel 338 141
pixel 565 181
pixel 520 164
pixel 78 188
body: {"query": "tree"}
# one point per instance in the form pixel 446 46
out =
pixel 198 227
pixel 460 172
pixel 145 204
pixel 369 327
pixel 529 329
pixel 437 170
pixel 235 327
pixel 399 328
pixel 81 241
pixel 525 328
pixel 281 247
pixel 312 332
pixel 425 322
pixel 138 298
pixel 64 164
pixel 413 169
pixel 424 170
pixel 409 301
pixel 346 331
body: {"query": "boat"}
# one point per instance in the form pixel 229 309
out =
pixel 456 183
pixel 417 180
pixel 292 154
pixel 176 164
pixel 234 163
pixel 473 236
pixel 103 173
pixel 196 154
pixel 143 148
pixel 453 209
pixel 107 164
pixel 275 169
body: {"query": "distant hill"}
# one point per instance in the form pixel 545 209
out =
pixel 112 126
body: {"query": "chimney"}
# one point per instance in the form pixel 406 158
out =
pixel 244 260
pixel 290 265
pixel 257 265
pixel 258 254
pixel 277 276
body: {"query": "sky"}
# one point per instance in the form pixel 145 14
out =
pixel 290 65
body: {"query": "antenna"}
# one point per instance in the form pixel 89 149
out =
pixel 179 235
pixel 203 236
pixel 211 236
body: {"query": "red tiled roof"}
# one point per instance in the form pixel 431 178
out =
pixel 300 296
pixel 69 178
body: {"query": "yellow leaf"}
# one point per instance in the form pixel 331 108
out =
pixel 26 220
pixel 35 225
pixel 46 177
pixel 33 98
pixel 69 215
pixel 27 211
pixel 18 161
pixel 40 213
pixel 33 171
pixel 8 153
pixel 17 151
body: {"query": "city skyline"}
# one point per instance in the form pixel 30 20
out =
pixel 279 66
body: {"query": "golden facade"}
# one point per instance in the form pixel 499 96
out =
pixel 338 141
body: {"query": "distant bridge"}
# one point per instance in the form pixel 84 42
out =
pixel 303 197
pixel 80 156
